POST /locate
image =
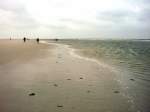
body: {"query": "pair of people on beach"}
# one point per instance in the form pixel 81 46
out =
pixel 24 39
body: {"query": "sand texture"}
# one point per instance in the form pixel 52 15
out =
pixel 49 78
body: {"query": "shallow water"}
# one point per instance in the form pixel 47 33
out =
pixel 130 57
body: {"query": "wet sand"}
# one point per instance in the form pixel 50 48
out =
pixel 50 78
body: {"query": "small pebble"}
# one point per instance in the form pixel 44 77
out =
pixel 132 79
pixel 81 77
pixel 88 91
pixel 55 85
pixel 32 94
pixel 59 105
pixel 68 79
pixel 116 92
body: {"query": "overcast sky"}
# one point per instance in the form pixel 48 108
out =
pixel 75 18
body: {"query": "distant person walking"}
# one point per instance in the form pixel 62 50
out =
pixel 24 39
pixel 56 39
pixel 38 40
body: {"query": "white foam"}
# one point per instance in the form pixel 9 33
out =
pixel 74 54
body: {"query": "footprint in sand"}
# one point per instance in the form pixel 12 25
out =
pixel 59 56
pixel 88 91
pixel 116 92
pixel 132 79
pixel 56 85
pixel 32 94
pixel 60 106
pixel 81 77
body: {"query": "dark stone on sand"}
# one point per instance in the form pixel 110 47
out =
pixel 116 92
pixel 132 79
pixel 60 106
pixel 68 79
pixel 73 108
pixel 55 85
pixel 32 94
pixel 81 77
pixel 88 91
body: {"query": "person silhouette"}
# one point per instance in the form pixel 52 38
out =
pixel 37 40
pixel 24 39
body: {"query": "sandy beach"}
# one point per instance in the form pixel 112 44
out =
pixel 50 78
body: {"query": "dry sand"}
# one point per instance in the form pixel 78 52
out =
pixel 48 78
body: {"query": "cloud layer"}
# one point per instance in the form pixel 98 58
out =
pixel 75 18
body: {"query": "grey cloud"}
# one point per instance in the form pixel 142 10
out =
pixel 12 5
pixel 112 23
pixel 140 2
pixel 127 16
pixel 119 17
pixel 24 21
pixel 145 16
pixel 21 19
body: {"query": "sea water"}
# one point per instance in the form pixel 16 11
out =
pixel 130 57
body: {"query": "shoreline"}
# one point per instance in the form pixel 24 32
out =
pixel 58 81
pixel 135 88
pixel 77 54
